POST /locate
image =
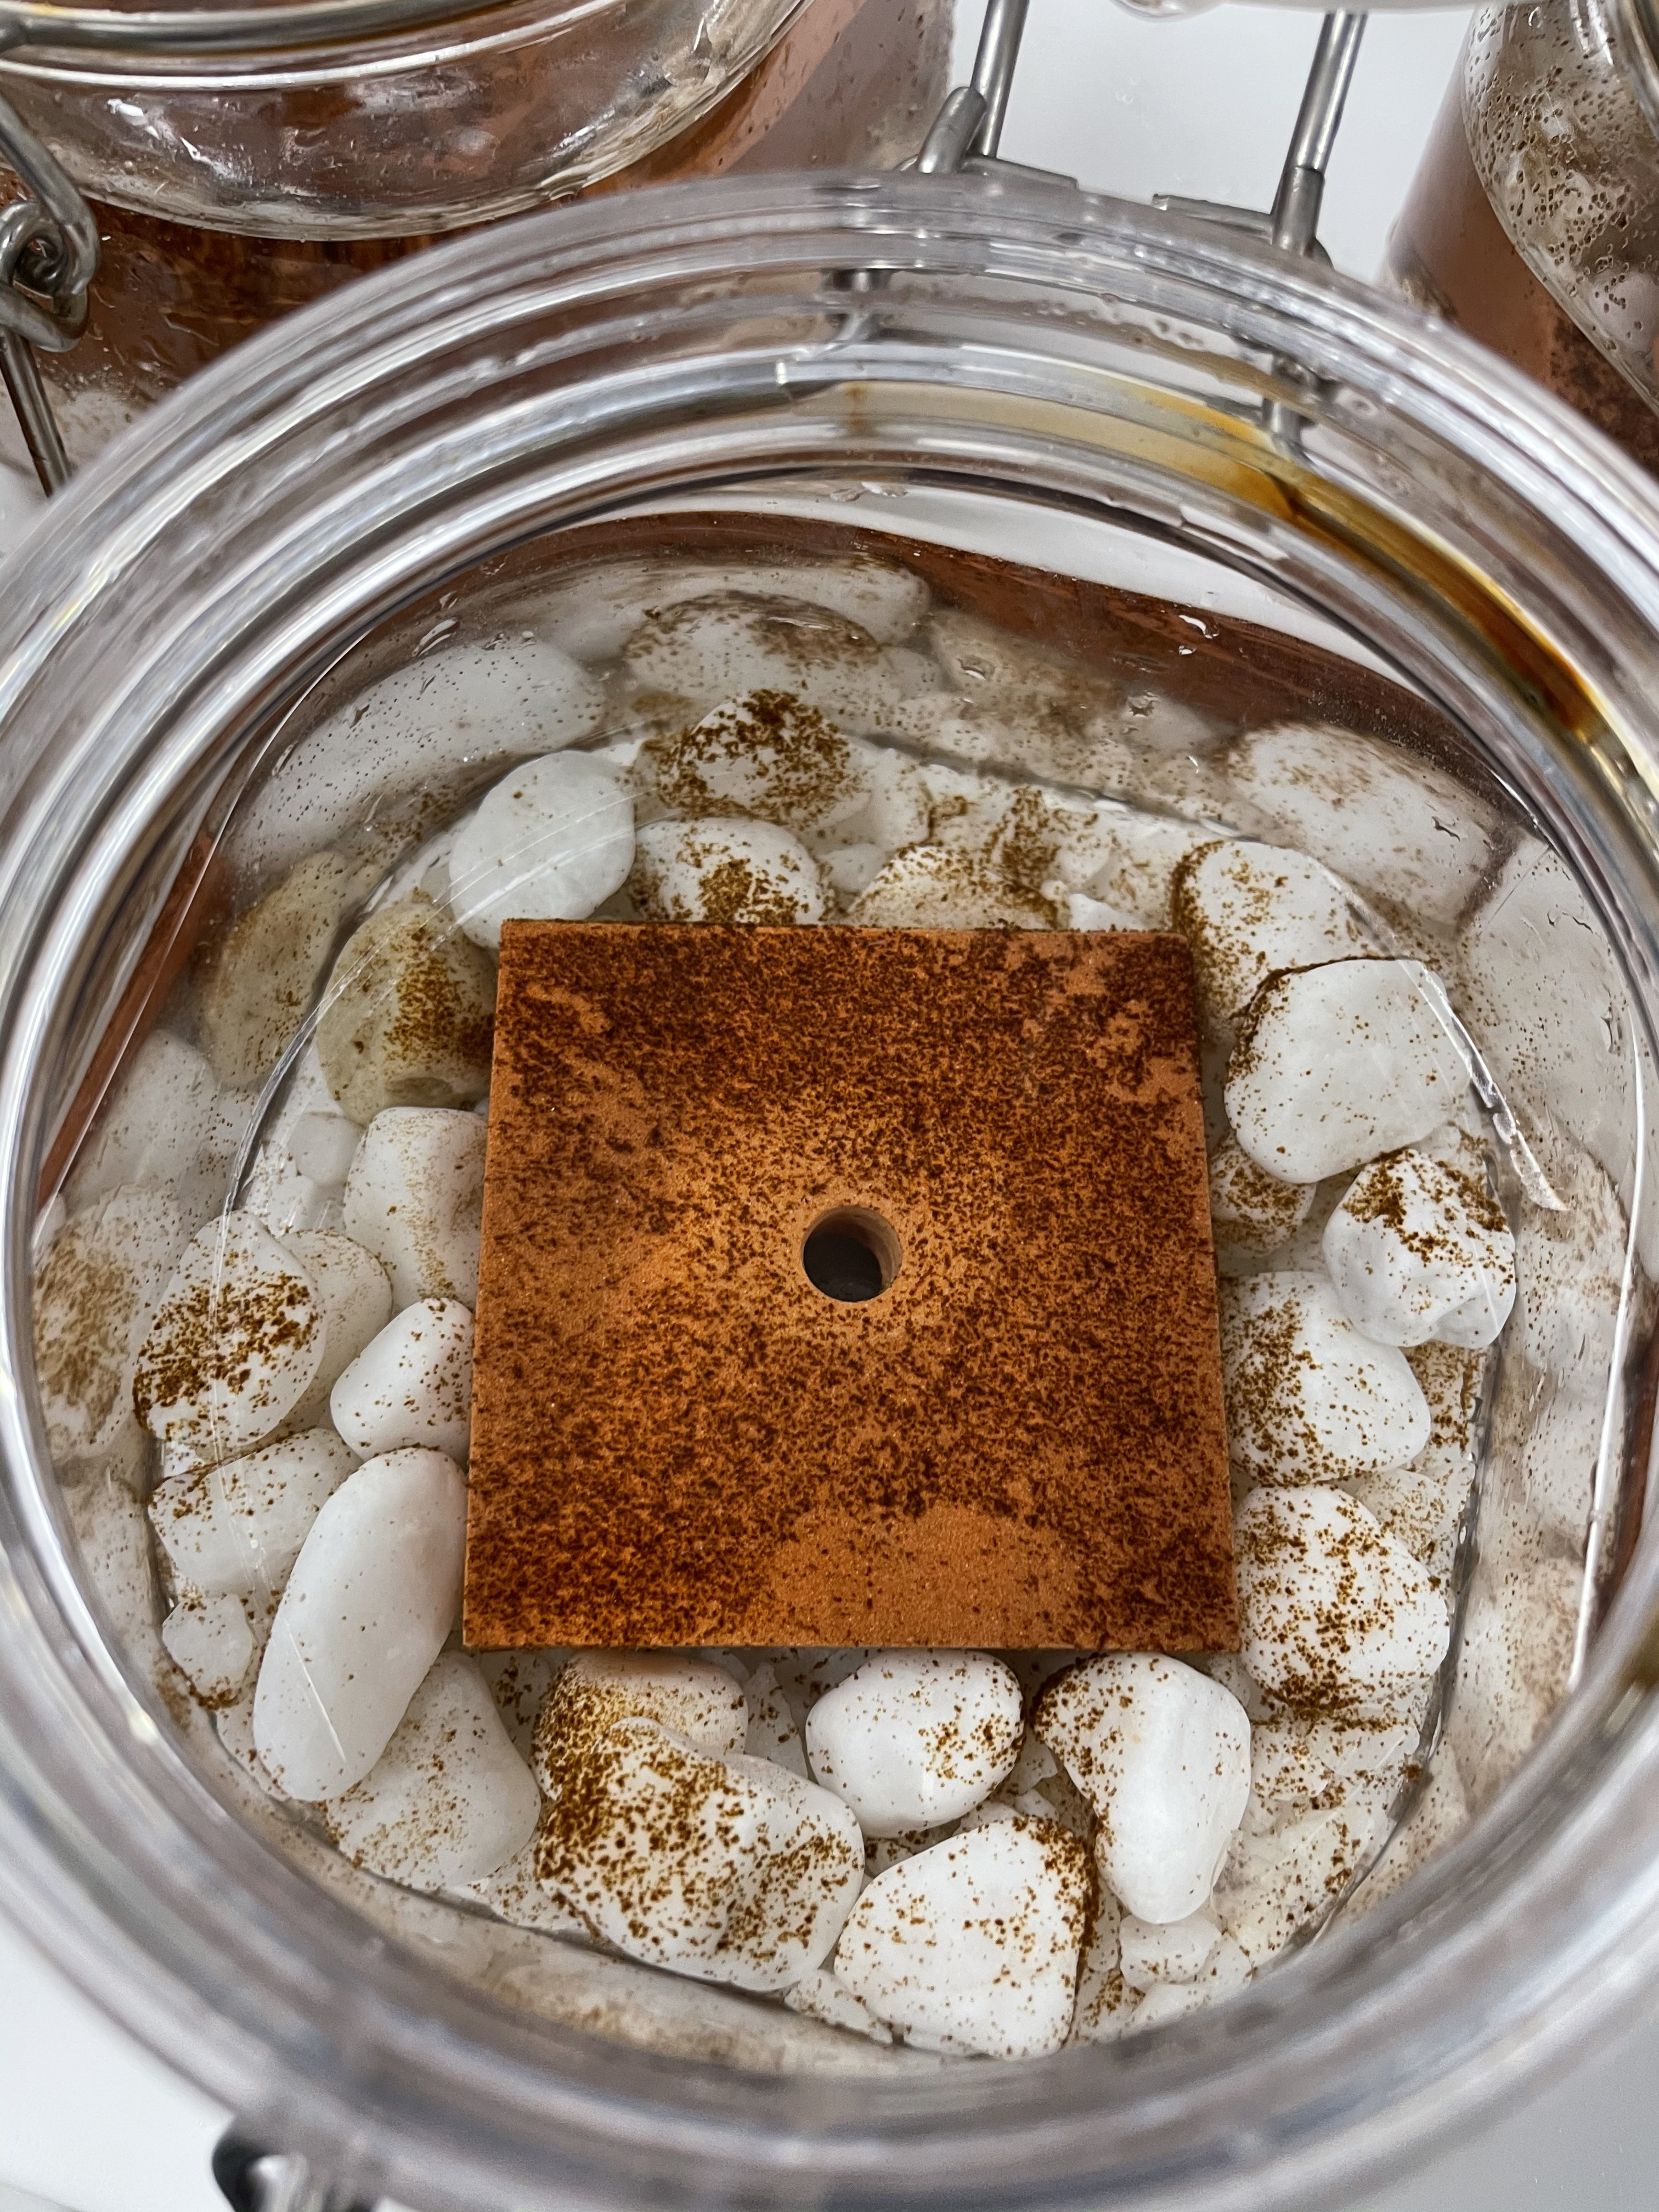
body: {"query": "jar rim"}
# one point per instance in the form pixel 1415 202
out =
pixel 271 431
pixel 270 44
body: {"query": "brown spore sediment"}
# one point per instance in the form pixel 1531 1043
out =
pixel 679 1440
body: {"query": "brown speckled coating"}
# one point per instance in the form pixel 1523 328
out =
pixel 678 1440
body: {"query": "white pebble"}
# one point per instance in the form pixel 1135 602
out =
pixel 1165 1950
pixel 322 1147
pixel 947 887
pixel 1083 912
pixel 95 1294
pixel 209 1641
pixel 265 974
pixel 1040 1787
pixel 595 614
pixel 1128 859
pixel 1229 1969
pixel 1251 1211
pixel 409 1014
pixel 355 1297
pixel 1570 1267
pixel 725 871
pixel 549 843
pixel 1551 1010
pixel 449 1801
pixel 1417 1249
pixel 764 754
pixel 113 1540
pixel 894 808
pixel 1250 910
pixel 429 728
pixel 238 1525
pixel 1392 823
pixel 1437 1818
pixel 412 1384
pixel 1307 1761
pixel 914 1739
pixel 693 1698
pixel 819 1995
pixel 1308 1398
pixel 772 1732
pixel 415 1199
pixel 1557 1465
pixel 850 869
pixel 299 1169
pixel 1162 1754
pixel 1512 1668
pixel 972 1947
pixel 1335 1065
pixel 162 1126
pixel 235 1345
pixel 727 1871
pixel 1273 1885
pixel 1105 2002
pixel 706 650
pixel 372 1595
pixel 518 1681
pixel 1333 1613
pixel 512 1893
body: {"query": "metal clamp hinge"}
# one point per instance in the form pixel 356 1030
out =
pixel 968 130
pixel 48 258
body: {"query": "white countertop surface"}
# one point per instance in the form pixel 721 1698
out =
pixel 1202 106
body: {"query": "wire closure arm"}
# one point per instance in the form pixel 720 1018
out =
pixel 968 127
pixel 1301 182
pixel 1292 223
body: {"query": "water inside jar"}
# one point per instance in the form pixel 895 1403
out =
pixel 1421 1089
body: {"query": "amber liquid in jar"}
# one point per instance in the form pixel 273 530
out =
pixel 1448 253
pixel 853 84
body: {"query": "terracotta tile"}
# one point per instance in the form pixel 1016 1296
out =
pixel 678 1439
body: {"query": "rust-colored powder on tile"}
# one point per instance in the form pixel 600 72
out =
pixel 678 1439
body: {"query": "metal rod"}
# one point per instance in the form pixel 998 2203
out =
pixel 46 180
pixel 955 129
pixel 1301 182
pixel 21 374
pixel 994 68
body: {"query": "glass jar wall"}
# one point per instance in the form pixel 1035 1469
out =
pixel 229 191
pixel 1531 219
pixel 1246 500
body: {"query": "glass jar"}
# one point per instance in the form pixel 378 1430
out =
pixel 1531 218
pixel 1224 480
pixel 230 189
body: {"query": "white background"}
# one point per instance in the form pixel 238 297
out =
pixel 1202 106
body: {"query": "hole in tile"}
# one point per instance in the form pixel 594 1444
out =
pixel 851 1255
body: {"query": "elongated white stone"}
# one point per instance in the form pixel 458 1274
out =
pixel 95 1294
pixel 1249 910
pixel 238 1525
pixel 412 1384
pixel 415 1199
pixel 373 1594
pixel 1333 1613
pixel 1417 1249
pixel 551 842
pixel 1308 1398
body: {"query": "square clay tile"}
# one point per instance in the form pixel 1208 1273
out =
pixel 679 1439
